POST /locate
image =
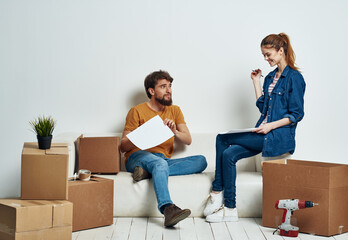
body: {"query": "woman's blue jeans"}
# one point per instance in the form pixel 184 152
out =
pixel 161 167
pixel 229 149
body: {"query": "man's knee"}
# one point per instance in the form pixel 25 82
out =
pixel 202 162
pixel 160 165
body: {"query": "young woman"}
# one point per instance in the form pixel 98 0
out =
pixel 281 106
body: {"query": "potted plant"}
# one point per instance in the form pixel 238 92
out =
pixel 43 127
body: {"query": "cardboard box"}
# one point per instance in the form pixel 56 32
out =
pixel 45 172
pixel 323 183
pixel 99 154
pixel 93 202
pixel 35 219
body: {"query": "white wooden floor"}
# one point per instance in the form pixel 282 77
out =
pixel 188 229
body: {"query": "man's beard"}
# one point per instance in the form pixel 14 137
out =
pixel 164 102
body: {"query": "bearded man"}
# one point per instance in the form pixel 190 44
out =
pixel 156 162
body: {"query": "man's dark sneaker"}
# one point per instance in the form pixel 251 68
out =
pixel 174 214
pixel 140 174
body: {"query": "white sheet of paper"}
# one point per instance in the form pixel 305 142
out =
pixel 150 134
pixel 239 130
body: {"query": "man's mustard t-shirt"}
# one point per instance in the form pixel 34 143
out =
pixel 141 113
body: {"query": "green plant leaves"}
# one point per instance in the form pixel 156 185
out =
pixel 43 126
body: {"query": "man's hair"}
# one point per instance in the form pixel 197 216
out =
pixel 152 79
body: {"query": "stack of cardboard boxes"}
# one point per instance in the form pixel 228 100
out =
pixel 94 200
pixel 43 212
pixel 51 206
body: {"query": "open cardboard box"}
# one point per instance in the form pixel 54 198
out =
pixel 323 183
pixel 99 154
pixel 45 172
pixel 35 219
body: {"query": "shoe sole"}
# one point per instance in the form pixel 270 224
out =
pixel 139 175
pixel 224 219
pixel 207 213
pixel 178 218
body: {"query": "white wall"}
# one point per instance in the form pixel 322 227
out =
pixel 84 62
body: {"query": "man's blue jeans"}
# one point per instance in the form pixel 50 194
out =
pixel 229 149
pixel 161 167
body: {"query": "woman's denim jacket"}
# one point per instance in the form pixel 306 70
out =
pixel 285 101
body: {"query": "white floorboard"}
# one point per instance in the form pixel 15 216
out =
pixel 154 229
pixel 268 232
pixel 252 229
pixel 236 230
pixel 171 233
pixel 343 236
pixel 203 229
pixel 189 229
pixel 121 229
pixel 138 229
pixel 220 231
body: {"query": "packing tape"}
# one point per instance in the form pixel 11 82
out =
pixel 38 202
pixel 340 229
pixel 57 203
pixel 62 214
pixel 84 175
pixel 6 229
pixel 16 204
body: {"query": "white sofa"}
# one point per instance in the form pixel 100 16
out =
pixel 189 191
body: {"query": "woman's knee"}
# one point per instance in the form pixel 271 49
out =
pixel 231 155
pixel 218 139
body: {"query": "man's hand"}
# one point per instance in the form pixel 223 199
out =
pixel 181 131
pixel 126 145
pixel 170 124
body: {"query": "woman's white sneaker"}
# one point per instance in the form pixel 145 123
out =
pixel 225 214
pixel 215 201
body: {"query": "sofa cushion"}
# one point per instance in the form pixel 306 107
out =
pixel 188 191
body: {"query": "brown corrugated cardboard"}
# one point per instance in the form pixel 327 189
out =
pixel 99 154
pixel 323 183
pixel 45 172
pixel 57 233
pixel 93 202
pixel 35 219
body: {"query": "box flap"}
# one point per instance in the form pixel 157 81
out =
pixel 31 148
pixel 61 150
pixel 288 173
pixel 99 154
pixel 93 180
pixel 59 144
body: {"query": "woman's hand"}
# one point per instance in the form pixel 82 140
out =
pixel 256 74
pixel 264 129
pixel 170 124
